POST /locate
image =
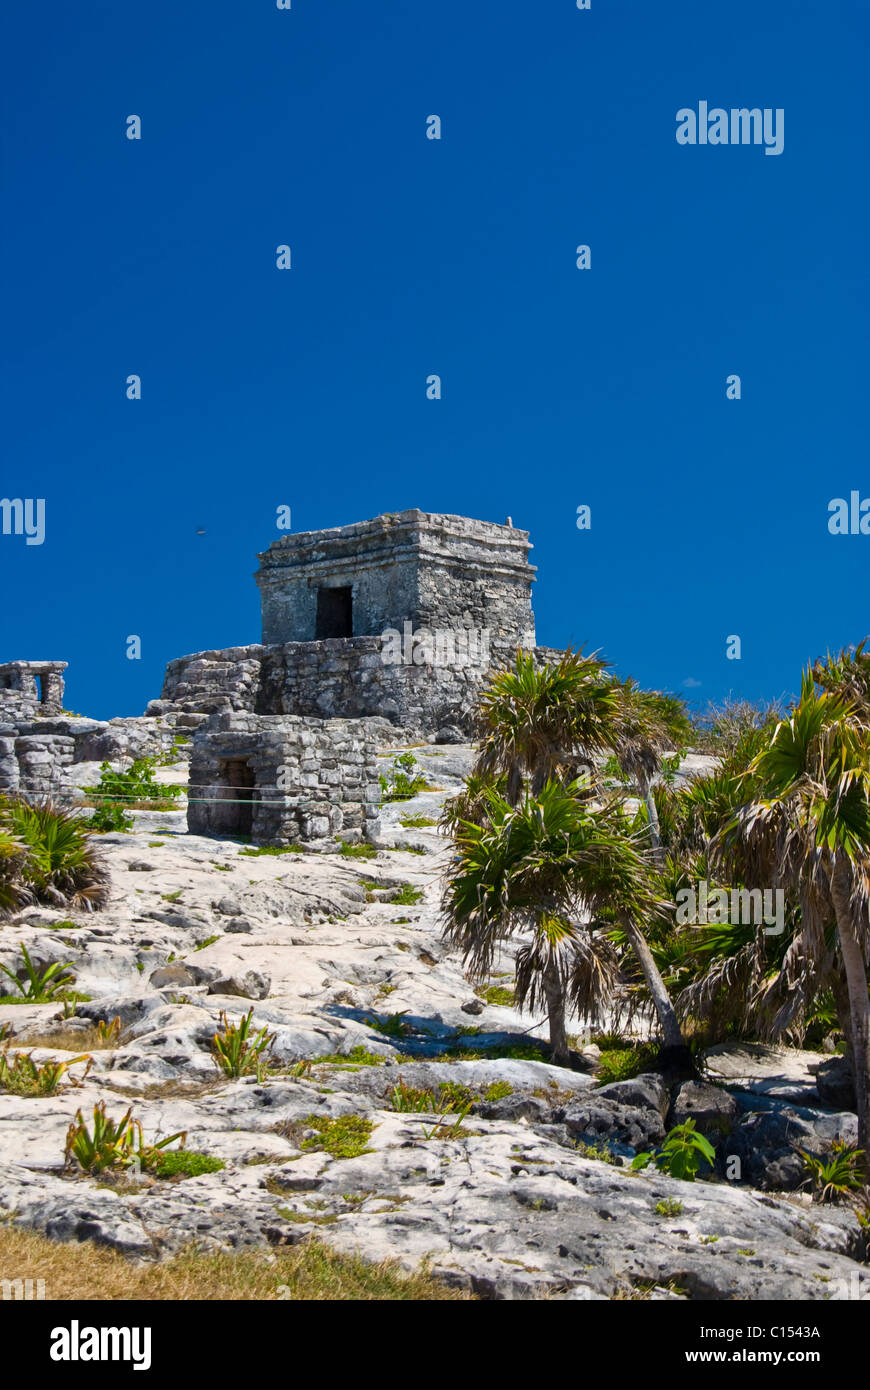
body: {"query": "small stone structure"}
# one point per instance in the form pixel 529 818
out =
pixel 33 758
pixel 403 617
pixel 434 571
pixel 29 689
pixel 282 779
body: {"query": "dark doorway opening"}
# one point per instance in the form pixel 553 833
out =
pixel 239 784
pixel 334 613
pixel 41 689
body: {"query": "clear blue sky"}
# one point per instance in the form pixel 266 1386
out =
pixel 410 257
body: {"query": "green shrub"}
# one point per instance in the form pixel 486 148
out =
pixel 135 787
pixel 236 1050
pixel 108 818
pixel 403 780
pixel 682 1154
pixel 185 1163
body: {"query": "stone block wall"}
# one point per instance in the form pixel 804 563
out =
pixel 432 570
pixel 29 689
pixel 284 779
pixel 33 760
pixel 340 677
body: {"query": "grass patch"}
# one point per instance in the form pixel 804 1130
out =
pixel 172 897
pixel 416 822
pixel 360 851
pixel 209 941
pixel 622 1062
pixel 253 852
pixel 344 1136
pixel 358 1056
pixel 407 896
pixel 308 1272
pixel 186 1163
pixel 496 994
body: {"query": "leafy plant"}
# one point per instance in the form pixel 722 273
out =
pixel 110 817
pixel 111 1143
pixel 403 780
pixel 393 1026
pixel 23 1077
pixel 497 994
pixel 134 787
pixel 236 1050
pixel 669 1206
pixel 39 987
pixel 836 1175
pixel 682 1154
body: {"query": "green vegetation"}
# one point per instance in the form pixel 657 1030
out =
pixel 209 941
pixel 406 896
pixel 345 1136
pixel 237 1051
pixel 111 1143
pixel 403 780
pixel 38 986
pixel 47 856
pixel 254 852
pixel 307 1272
pixel 683 1153
pixel 669 1206
pixel 620 1063
pixel 136 787
pixel 416 822
pixel 496 994
pixel 110 818
pixel 358 851
pixel 836 1176
pixel 358 1056
pixel 185 1163
pixel 23 1077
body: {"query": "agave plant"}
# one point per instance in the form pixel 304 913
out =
pixel 23 1077
pixel 39 987
pixel 238 1051
pixel 111 1143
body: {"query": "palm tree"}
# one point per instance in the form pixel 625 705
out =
pixel 539 721
pixel 647 723
pixel 804 826
pixel 552 864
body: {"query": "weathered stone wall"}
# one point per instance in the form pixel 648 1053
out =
pixel 33 759
pixel 433 570
pixel 29 689
pixel 351 677
pixel 308 779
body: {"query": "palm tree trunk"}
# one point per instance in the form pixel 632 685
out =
pixel 675 1051
pixel 555 994
pixel 859 1004
pixel 652 814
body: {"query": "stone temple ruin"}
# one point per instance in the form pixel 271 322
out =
pixel 377 631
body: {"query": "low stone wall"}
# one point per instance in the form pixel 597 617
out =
pixel 33 760
pixel 284 779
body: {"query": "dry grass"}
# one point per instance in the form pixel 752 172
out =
pixel 68 1040
pixel 309 1271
